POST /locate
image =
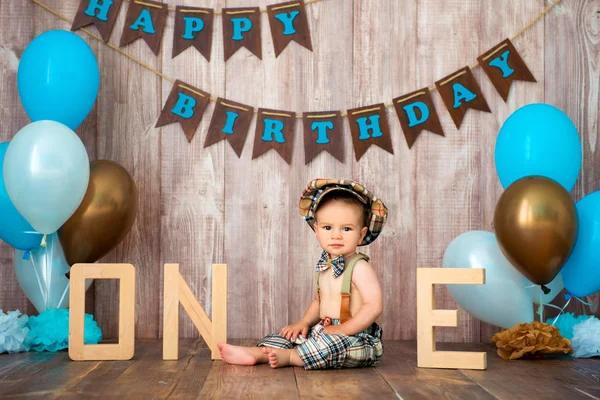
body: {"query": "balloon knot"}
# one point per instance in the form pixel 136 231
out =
pixel 545 289
pixel 26 255
pixel 568 296
pixel 44 243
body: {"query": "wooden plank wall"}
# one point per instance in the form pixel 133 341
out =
pixel 200 206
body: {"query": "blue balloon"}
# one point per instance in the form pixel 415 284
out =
pixel 581 273
pixel 538 139
pixel 58 78
pixel 14 229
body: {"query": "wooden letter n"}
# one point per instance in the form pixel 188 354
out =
pixel 177 291
pixel 123 350
pixel 428 318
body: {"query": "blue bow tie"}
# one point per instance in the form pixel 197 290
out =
pixel 337 264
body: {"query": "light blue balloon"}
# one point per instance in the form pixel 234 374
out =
pixel 42 275
pixel 58 78
pixel 14 229
pixel 538 139
pixel 581 272
pixel 503 300
pixel 46 174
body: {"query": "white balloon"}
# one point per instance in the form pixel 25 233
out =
pixel 503 300
pixel 46 174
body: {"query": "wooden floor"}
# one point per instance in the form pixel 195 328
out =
pixel 194 375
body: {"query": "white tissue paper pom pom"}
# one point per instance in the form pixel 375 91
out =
pixel 13 332
pixel 586 338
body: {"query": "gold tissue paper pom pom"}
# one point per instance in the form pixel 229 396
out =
pixel 530 340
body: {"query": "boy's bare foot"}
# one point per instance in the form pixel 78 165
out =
pixel 239 355
pixel 279 358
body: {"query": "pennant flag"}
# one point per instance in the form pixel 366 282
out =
pixel 503 65
pixel 230 121
pixel 460 92
pixel 193 27
pixel 323 132
pixel 274 130
pixel 145 19
pixel 368 126
pixel 241 28
pixel 288 22
pixel 416 112
pixel 185 105
pixel 102 13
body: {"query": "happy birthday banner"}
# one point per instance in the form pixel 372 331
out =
pixel 323 131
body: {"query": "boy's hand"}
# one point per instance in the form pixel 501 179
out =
pixel 292 331
pixel 334 330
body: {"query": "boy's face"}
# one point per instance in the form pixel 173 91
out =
pixel 339 227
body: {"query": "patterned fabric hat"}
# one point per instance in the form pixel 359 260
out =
pixel 317 188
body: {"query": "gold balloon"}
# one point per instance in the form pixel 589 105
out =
pixel 536 227
pixel 104 217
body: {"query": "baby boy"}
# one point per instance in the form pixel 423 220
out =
pixel 338 329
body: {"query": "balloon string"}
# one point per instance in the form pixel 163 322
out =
pixel 44 243
pixel 569 297
pixel 541 308
pixel 562 310
pixel 43 290
pixel 552 305
pixel 65 291
pixel 49 255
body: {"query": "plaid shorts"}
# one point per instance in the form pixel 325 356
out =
pixel 322 351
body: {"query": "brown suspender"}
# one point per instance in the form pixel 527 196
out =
pixel 346 285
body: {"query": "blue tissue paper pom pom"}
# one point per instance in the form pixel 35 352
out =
pixel 49 331
pixel 566 322
pixel 13 332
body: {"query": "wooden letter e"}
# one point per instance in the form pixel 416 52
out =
pixel 428 318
